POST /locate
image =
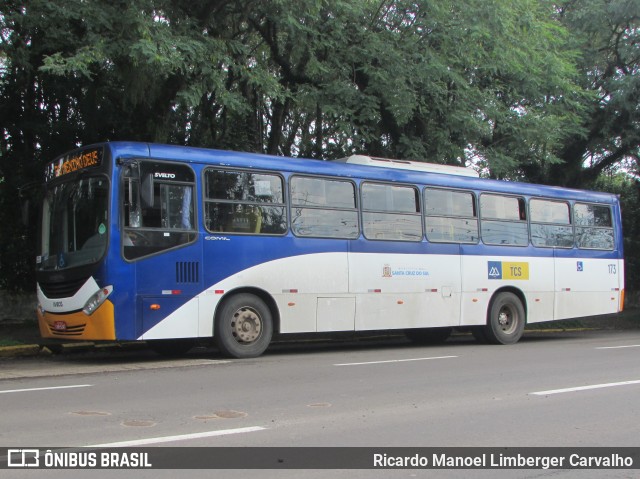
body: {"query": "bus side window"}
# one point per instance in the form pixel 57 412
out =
pixel 550 223
pixel 158 207
pixel 323 208
pixel 594 226
pixel 242 202
pixel 391 212
pixel 503 220
pixel 450 216
pixel 132 210
pixel 176 207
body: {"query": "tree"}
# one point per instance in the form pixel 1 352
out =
pixel 437 81
pixel 607 32
pixel 628 188
pixel 488 83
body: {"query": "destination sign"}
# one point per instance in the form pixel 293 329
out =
pixel 72 162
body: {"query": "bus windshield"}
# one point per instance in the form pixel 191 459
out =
pixel 74 224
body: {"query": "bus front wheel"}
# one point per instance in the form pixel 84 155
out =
pixel 506 319
pixel 243 326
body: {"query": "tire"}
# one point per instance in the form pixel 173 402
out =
pixel 243 326
pixel 172 348
pixel 428 335
pixel 506 319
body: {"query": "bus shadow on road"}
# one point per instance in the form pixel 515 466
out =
pixel 288 345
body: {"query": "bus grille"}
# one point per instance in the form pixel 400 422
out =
pixel 70 331
pixel 187 272
pixel 62 289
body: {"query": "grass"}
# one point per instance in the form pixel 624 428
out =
pixel 17 333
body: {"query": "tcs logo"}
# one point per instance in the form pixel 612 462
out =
pixel 508 270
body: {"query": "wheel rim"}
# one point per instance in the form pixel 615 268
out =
pixel 246 325
pixel 507 320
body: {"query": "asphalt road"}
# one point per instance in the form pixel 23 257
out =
pixel 569 389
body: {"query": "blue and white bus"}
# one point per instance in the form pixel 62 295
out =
pixel 171 245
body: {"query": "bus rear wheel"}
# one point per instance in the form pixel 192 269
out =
pixel 243 326
pixel 506 319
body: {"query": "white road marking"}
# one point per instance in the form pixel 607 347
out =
pixel 620 347
pixel 584 388
pixel 45 389
pixel 183 437
pixel 395 361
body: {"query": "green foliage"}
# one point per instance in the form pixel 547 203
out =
pixel 521 90
pixel 628 188
pixel 607 33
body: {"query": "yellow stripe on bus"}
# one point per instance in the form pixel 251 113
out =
pixel 515 270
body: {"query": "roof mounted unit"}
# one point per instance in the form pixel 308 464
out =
pixel 409 165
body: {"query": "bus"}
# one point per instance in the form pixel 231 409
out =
pixel 175 245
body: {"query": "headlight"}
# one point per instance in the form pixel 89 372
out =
pixel 96 300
